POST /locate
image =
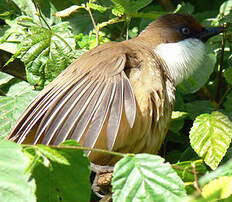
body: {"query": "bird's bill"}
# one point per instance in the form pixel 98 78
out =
pixel 210 32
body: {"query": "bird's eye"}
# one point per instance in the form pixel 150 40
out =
pixel 185 30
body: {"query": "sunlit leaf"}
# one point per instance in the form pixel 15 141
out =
pixel 52 154
pixel 178 115
pixel 15 185
pixel 210 137
pixel 65 178
pixel 46 52
pixel 130 7
pixel 68 11
pixel 226 7
pixel 145 177
pixel 97 7
pixel 224 170
pixel 47 10
pixel 18 95
pixel 4 78
pixel 223 185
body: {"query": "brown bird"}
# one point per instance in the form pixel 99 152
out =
pixel 120 95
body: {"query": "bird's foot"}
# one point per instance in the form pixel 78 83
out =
pixel 102 181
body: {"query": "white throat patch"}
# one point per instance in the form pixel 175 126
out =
pixel 182 58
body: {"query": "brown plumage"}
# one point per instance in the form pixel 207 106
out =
pixel 118 96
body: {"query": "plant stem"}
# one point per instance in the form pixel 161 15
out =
pixel 93 21
pixel 40 14
pixel 221 65
pixel 80 148
pixel 180 168
pixel 207 94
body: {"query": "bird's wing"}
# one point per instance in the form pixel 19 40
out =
pixel 92 90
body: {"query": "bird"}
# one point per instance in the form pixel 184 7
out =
pixel 119 96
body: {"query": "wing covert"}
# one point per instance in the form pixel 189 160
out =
pixel 80 101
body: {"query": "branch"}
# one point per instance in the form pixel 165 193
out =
pixel 221 65
pixel 205 92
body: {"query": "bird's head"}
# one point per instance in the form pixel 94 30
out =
pixel 179 41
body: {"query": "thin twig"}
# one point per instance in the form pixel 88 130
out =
pixel 196 185
pixel 40 14
pixel 180 168
pixel 123 30
pixel 94 23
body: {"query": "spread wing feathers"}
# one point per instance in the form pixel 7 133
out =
pixel 77 108
pixel 129 101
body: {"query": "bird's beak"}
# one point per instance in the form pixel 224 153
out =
pixel 210 32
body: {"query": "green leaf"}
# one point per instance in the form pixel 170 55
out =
pixel 177 121
pixel 138 5
pixel 227 104
pixel 210 137
pixel 52 154
pixel 47 9
pixel 223 185
pixel 185 8
pixel 81 22
pixel 199 77
pixel 188 154
pixel 130 7
pixel 18 94
pixel 4 78
pixel 118 10
pixel 88 42
pixel 198 107
pixel 12 35
pixel 224 170
pixel 97 7
pixel 46 52
pixel 228 75
pixel 60 181
pixel 178 115
pixel 8 10
pixel 15 185
pixel 145 177
pixel 226 7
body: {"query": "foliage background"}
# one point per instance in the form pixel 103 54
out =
pixel 40 38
